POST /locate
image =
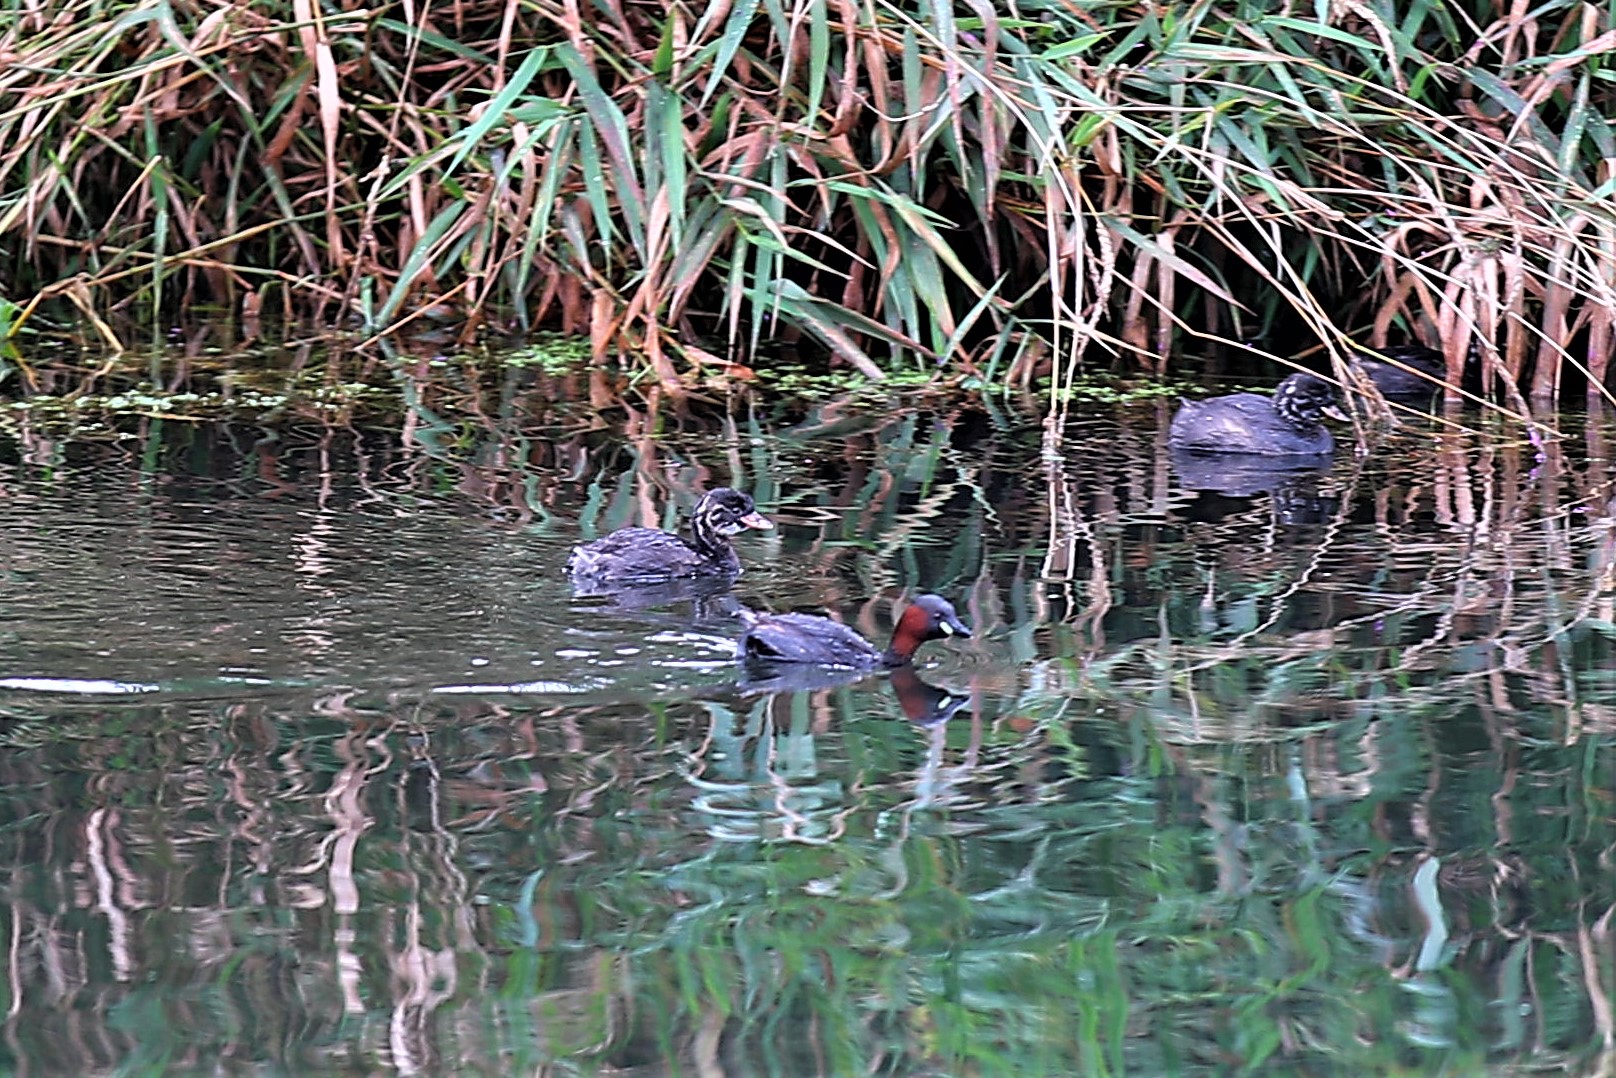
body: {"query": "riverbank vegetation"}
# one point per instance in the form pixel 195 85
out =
pixel 1010 193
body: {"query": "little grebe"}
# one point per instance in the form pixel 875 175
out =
pixel 805 638
pixel 647 555
pixel 1286 424
pixel 1415 372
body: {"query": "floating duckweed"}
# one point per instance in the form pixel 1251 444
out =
pixel 1109 389
pixel 553 353
pixel 88 414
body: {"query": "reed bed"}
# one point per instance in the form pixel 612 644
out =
pixel 1007 192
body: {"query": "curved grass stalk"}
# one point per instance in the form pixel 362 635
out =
pixel 689 186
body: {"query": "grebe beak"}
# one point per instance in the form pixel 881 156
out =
pixel 758 521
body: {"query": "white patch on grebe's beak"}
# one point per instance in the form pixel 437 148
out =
pixel 946 628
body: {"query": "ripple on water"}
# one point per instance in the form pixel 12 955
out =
pixel 333 775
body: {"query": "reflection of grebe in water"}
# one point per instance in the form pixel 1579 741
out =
pixel 923 703
pixel 928 709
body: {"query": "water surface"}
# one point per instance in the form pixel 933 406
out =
pixel 311 761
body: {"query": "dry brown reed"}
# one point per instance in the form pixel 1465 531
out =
pixel 1004 192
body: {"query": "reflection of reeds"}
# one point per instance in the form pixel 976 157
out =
pixel 645 876
pixel 998 194
pixel 1230 789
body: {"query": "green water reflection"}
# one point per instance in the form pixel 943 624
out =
pixel 310 762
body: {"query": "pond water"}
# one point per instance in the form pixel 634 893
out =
pixel 311 762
